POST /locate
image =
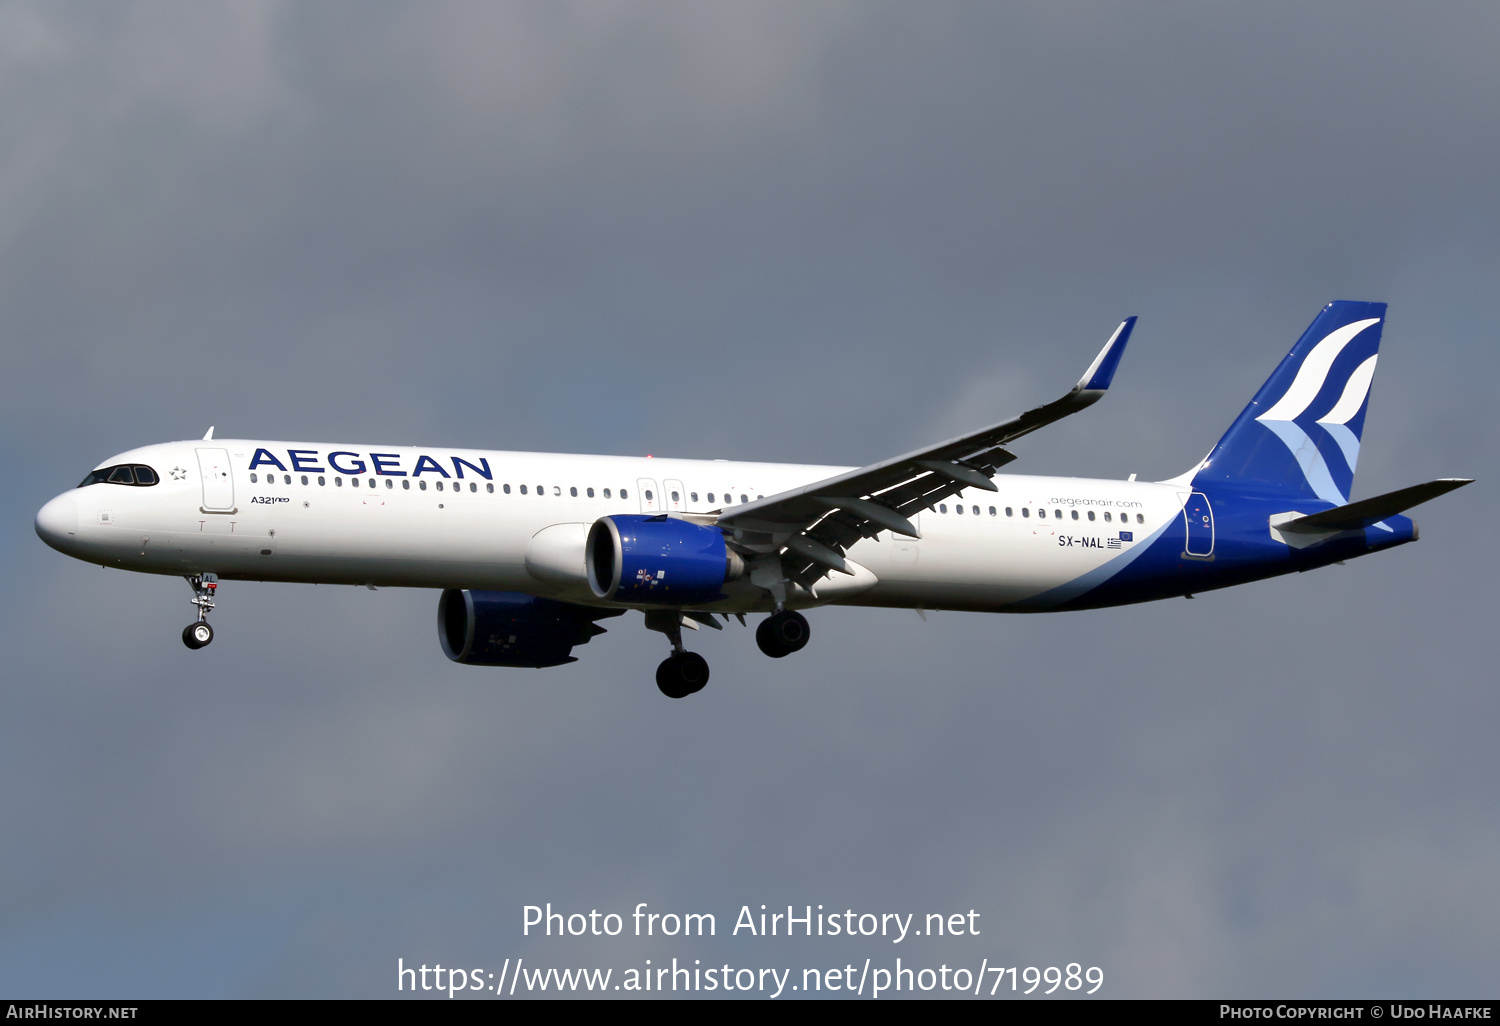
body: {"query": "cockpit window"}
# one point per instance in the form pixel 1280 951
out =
pixel 124 474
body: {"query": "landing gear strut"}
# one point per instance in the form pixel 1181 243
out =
pixel 682 673
pixel 197 634
pixel 781 634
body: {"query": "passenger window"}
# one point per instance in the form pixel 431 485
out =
pixel 744 498
pixel 372 482
pixel 304 479
pixel 421 486
pixel 253 478
pixel 473 486
pixel 1106 516
pixel 1007 511
pixel 676 497
pixel 648 495
pixel 959 509
pixel 693 496
pixel 1091 514
pixel 322 482
pixel 489 486
pixel 439 486
pixel 1140 519
pixel 504 488
pixel 623 494
pixel 589 492
pixel 406 484
pixel 1075 514
pixel 992 511
pixel 389 483
pixel 573 492
pixel 710 496
pixel 942 507
pixel 1025 512
pixel 974 510
pixel 288 478
pixel 338 482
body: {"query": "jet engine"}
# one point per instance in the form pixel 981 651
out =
pixel 509 628
pixel 658 560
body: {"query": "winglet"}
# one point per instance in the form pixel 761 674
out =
pixel 210 435
pixel 1102 371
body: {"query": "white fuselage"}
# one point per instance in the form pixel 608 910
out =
pixel 510 521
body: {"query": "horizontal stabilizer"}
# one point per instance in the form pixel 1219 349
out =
pixel 1361 514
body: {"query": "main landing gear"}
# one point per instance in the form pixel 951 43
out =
pixel 781 634
pixel 682 673
pixel 685 673
pixel 197 634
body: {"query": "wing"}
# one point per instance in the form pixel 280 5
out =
pixel 813 526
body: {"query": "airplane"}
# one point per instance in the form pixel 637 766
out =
pixel 531 550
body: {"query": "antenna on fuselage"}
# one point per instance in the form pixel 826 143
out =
pixel 209 437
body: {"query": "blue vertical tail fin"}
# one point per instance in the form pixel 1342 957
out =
pixel 1300 435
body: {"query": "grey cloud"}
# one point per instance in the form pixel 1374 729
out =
pixel 767 231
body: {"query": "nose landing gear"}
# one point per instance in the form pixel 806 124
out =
pixel 196 635
pixel 783 633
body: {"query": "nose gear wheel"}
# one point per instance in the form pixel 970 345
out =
pixel 196 635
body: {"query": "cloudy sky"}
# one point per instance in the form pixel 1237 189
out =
pixel 818 232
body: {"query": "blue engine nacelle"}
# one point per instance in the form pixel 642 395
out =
pixel 658 560
pixel 509 628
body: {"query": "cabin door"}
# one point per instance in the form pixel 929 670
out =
pixel 218 482
pixel 1199 517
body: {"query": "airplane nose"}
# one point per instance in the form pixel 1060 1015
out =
pixel 57 522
